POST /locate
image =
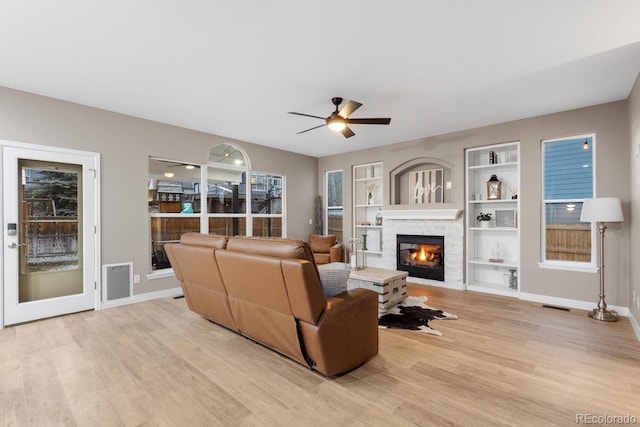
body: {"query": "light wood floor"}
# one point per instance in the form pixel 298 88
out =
pixel 504 362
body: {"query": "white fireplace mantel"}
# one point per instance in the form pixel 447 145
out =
pixel 442 214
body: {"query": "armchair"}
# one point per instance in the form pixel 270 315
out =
pixel 326 249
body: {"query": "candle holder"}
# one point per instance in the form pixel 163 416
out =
pixel 494 188
pixel 353 250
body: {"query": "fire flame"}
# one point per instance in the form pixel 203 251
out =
pixel 422 255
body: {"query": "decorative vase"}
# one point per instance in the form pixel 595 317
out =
pixel 484 224
pixel 513 280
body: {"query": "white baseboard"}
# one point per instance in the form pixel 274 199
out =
pixel 570 303
pixel 635 325
pixel 173 292
pixel 581 305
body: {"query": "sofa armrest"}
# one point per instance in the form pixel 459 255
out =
pixel 336 253
pixel 344 308
pixel 346 334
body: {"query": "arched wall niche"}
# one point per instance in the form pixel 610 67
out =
pixel 399 180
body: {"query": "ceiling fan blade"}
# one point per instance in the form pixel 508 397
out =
pixel 316 127
pixel 307 115
pixel 349 108
pixel 348 133
pixel 370 121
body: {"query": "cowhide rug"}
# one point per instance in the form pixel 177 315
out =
pixel 413 314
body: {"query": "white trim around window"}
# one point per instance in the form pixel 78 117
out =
pixel 577 266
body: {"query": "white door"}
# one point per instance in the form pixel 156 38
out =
pixel 50 225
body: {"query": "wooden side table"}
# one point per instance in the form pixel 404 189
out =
pixel 390 285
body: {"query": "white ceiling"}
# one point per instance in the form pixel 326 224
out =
pixel 235 68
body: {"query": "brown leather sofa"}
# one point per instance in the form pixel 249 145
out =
pixel 326 249
pixel 269 290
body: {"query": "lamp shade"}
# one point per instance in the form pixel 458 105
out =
pixel 602 209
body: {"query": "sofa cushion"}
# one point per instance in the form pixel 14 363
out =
pixel 304 289
pixel 205 240
pixel 197 269
pixel 322 258
pixel 256 279
pixel 275 247
pixel 321 244
pixel 259 300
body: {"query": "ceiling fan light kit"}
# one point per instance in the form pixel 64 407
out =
pixel 339 120
pixel 336 124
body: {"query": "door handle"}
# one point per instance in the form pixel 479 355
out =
pixel 12 245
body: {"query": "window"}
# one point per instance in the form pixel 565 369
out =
pixel 568 178
pixel 266 204
pixel 334 205
pixel 226 195
pixel 214 198
pixel 174 207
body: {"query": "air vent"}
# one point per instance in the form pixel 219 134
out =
pixel 117 280
pixel 555 307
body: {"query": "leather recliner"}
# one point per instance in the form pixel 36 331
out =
pixel 269 290
pixel 326 249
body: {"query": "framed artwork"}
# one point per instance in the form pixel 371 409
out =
pixel 426 186
pixel 506 218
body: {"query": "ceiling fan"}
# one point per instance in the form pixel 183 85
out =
pixel 338 120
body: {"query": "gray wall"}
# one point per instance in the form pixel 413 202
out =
pixel 610 124
pixel 633 218
pixel 124 144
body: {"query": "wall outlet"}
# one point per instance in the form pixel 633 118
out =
pixel 136 278
pixel 310 221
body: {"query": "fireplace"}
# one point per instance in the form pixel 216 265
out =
pixel 421 256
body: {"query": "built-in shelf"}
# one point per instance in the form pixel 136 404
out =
pixel 370 205
pixel 491 288
pixel 495 166
pixel 505 201
pixel 502 239
pixel 367 206
pixel 505 263
pixel 493 228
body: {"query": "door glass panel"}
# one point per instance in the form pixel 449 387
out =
pixel 50 241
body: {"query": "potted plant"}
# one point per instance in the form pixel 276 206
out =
pixel 483 219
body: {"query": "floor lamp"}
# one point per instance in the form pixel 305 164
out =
pixel 601 210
